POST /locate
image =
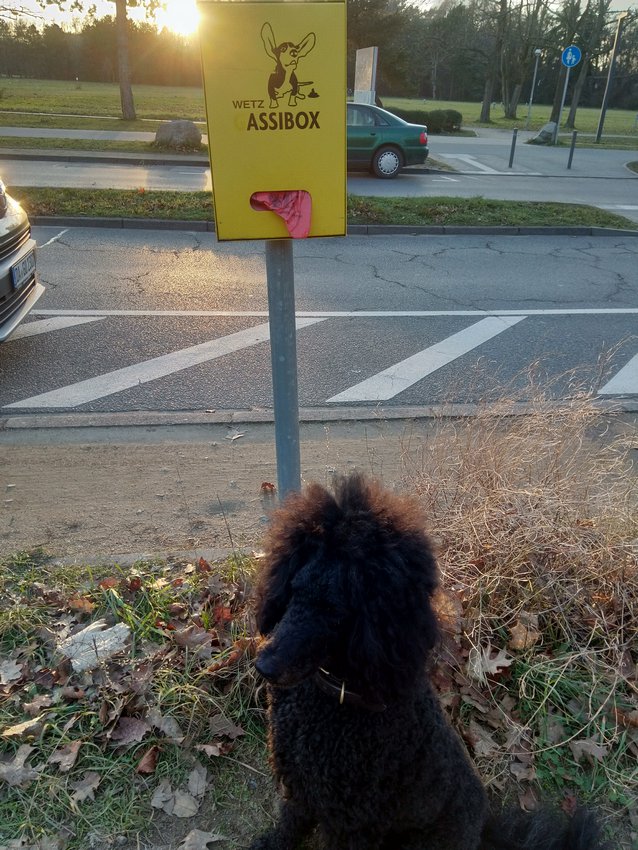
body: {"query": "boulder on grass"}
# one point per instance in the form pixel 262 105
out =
pixel 545 134
pixel 178 135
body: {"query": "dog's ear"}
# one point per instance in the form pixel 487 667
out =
pixel 305 45
pixel 390 574
pixel 268 38
pixel 394 626
pixel 296 532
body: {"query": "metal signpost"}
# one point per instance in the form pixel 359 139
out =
pixel 570 58
pixel 537 55
pixel 275 84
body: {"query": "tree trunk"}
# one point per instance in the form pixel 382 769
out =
pixel 578 88
pixel 488 93
pixel 512 104
pixel 124 72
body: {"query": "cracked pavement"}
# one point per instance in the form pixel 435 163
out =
pixel 150 294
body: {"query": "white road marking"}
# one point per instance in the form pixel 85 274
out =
pixel 150 370
pixel 470 160
pixel 56 323
pixel 54 238
pixel 345 314
pixel 486 169
pixel 624 382
pixel 389 383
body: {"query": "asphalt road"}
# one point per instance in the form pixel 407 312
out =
pixel 174 321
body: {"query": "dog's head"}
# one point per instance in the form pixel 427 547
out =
pixel 347 583
pixel 286 54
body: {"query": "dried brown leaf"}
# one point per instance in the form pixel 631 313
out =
pixel 148 762
pixel 482 742
pixel 10 671
pixel 129 730
pixel 17 772
pixel 197 780
pixel 220 725
pixel 589 748
pixel 24 730
pixel 84 788
pixel 483 662
pixel 198 840
pixel 65 756
pixel 166 724
pixel 35 707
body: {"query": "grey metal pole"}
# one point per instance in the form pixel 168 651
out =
pixel 283 347
pixel 571 149
pixel 610 76
pixel 537 54
pixel 562 104
pixel 513 148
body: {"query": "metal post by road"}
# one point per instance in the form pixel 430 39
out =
pixel 513 148
pixel 283 346
pixel 562 104
pixel 610 75
pixel 571 149
pixel 537 54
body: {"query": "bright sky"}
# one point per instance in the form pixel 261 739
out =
pixel 179 15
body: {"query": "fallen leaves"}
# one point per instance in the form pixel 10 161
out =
pixel 16 771
pixel 484 661
pixel 91 692
pixel 178 802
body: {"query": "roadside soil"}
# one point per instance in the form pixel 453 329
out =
pixel 137 492
pixel 119 494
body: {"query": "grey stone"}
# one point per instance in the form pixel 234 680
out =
pixel 545 134
pixel 178 135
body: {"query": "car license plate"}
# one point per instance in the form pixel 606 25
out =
pixel 23 270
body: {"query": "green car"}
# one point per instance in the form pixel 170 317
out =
pixel 383 143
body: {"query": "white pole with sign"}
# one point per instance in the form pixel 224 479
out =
pixel 275 89
pixel 570 57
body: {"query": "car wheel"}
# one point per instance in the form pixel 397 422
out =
pixel 387 162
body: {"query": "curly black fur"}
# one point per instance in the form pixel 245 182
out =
pixel 346 589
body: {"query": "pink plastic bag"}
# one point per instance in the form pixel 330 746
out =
pixel 294 207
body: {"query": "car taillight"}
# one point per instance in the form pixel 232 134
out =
pixel 423 138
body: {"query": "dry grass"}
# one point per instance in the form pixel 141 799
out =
pixel 537 529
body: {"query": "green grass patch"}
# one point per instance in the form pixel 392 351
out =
pixel 477 211
pixel 617 121
pixel 100 99
pixel 197 206
pixel 93 145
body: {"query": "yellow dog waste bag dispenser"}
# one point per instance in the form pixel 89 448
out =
pixel 275 87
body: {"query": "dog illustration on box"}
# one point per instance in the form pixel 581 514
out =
pixel 283 79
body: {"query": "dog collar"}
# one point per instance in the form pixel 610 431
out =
pixel 336 687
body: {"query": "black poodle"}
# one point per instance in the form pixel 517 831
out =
pixel 359 743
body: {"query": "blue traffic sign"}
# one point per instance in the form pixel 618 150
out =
pixel 571 56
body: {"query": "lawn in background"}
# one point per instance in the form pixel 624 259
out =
pixel 166 102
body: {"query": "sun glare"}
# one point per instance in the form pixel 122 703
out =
pixel 180 16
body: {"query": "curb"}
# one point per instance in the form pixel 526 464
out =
pixel 51 422
pixel 353 229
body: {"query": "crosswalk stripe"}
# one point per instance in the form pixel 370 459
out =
pixel 389 383
pixel 624 382
pixel 44 326
pixel 149 370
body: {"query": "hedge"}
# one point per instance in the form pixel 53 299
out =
pixel 437 121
